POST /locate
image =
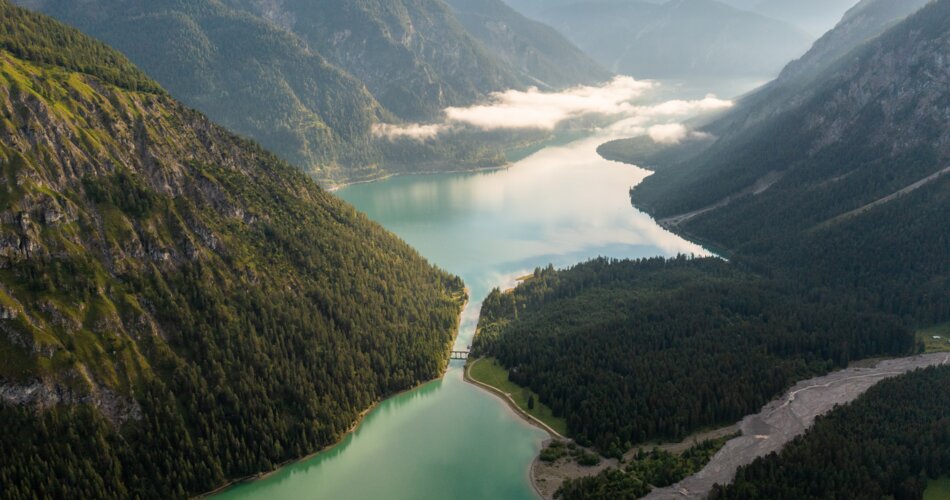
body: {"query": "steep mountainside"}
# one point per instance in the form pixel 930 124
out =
pixel 177 306
pixel 310 80
pixel 245 73
pixel 849 182
pixel 413 55
pixel 860 24
pixel 539 54
pixel 864 22
pixel 677 39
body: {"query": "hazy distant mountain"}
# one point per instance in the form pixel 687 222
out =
pixel 537 52
pixel 739 4
pixel 679 38
pixel 863 22
pixel 814 16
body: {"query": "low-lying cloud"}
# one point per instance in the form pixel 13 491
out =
pixel 415 131
pixel 668 133
pixel 536 110
pixel 533 109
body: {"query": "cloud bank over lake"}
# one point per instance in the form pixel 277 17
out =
pixel 533 109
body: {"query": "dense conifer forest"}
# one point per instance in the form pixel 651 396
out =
pixel 630 351
pixel 177 306
pixel 886 444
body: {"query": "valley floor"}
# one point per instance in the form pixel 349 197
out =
pixel 768 431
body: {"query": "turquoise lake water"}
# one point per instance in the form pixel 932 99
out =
pixel 448 439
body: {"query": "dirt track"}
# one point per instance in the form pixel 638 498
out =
pixel 782 420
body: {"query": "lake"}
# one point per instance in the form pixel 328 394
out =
pixel 448 439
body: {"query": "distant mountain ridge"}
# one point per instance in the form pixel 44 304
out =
pixel 674 39
pixel 536 51
pixel 310 79
pixel 413 55
pixel 814 16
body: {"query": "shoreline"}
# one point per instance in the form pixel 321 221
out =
pixel 508 162
pixel 524 416
pixel 356 423
pixel 710 246
pixel 389 175
pixel 531 419
pixel 264 475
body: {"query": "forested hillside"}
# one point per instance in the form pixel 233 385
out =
pixel 177 306
pixel 631 351
pixel 846 189
pixel 887 444
pixel 310 80
pixel 413 55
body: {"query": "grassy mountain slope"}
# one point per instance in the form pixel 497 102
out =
pixel 846 187
pixel 538 53
pixel 178 306
pixel 244 72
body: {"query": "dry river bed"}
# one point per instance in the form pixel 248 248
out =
pixel 782 420
pixel 765 432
